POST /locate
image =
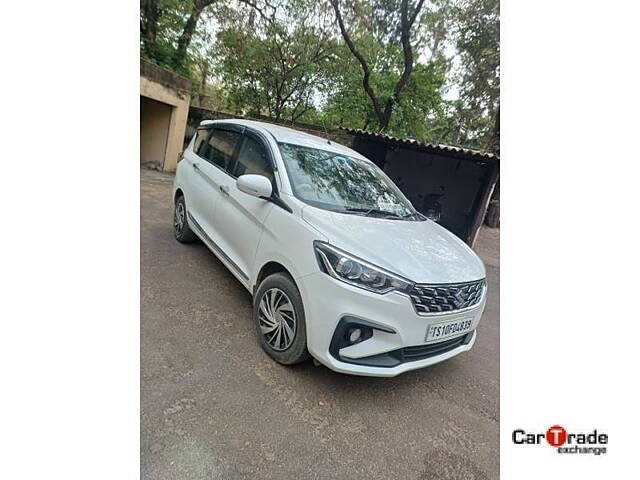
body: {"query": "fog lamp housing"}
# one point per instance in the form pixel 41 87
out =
pixel 351 331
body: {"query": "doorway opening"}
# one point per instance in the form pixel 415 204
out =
pixel 155 120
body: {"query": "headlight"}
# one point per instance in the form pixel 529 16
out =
pixel 354 271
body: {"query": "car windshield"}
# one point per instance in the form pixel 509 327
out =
pixel 342 183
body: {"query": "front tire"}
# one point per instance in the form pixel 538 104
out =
pixel 181 229
pixel 278 314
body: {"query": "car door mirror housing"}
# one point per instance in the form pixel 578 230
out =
pixel 255 185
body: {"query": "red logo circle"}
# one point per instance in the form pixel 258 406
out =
pixel 556 436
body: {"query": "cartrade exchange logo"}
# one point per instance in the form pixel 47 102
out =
pixel 556 436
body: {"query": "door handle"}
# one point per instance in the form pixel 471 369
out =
pixel 195 166
pixel 224 189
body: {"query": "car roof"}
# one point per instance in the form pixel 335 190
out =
pixel 296 137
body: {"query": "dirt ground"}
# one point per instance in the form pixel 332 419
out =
pixel 214 406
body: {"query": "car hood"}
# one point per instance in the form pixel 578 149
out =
pixel 423 252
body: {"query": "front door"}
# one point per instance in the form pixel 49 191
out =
pixel 240 216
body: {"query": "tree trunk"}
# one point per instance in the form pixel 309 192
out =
pixel 149 26
pixel 363 63
pixel 407 20
pixel 187 34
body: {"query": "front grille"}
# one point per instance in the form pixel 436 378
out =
pixel 446 298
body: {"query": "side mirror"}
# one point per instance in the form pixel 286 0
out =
pixel 255 185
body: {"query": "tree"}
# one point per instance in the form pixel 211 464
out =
pixel 382 65
pixel 163 24
pixel 149 16
pixel 383 108
pixel 478 44
pixel 349 105
pixel 272 66
pixel 186 36
pixel 167 31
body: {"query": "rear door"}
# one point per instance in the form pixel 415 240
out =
pixel 196 190
pixel 211 168
pixel 241 216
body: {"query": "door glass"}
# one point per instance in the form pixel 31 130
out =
pixel 253 159
pixel 201 136
pixel 219 149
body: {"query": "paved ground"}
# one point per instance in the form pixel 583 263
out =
pixel 215 406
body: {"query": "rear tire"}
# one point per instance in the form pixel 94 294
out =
pixel 181 229
pixel 278 314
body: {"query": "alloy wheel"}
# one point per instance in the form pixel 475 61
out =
pixel 179 218
pixel 277 319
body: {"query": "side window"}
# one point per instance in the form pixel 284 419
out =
pixel 201 136
pixel 219 148
pixel 253 159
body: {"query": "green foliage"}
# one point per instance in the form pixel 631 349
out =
pixel 276 66
pixel 478 45
pixel 277 74
pixel 172 16
pixel 375 30
pixel 287 59
pixel 350 107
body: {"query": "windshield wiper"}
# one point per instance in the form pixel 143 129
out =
pixel 414 215
pixel 368 211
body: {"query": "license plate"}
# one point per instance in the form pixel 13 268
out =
pixel 454 328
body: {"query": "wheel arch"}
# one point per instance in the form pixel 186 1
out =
pixel 270 268
pixel 178 193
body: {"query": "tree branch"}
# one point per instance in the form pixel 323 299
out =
pixel 415 13
pixel 189 29
pixel 363 63
pixel 260 11
pixel 406 23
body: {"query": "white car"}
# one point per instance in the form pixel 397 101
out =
pixel 340 264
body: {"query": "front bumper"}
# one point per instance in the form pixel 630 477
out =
pixel 327 301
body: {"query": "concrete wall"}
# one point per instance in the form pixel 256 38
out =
pixel 173 91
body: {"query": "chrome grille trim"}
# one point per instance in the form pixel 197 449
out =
pixel 438 299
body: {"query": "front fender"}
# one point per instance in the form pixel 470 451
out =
pixel 277 245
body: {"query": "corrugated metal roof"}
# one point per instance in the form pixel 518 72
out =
pixel 417 143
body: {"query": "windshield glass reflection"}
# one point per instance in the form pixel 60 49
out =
pixel 341 183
